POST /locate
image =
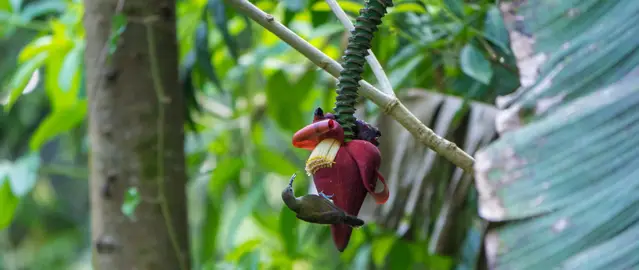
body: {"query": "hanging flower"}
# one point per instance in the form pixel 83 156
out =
pixel 345 170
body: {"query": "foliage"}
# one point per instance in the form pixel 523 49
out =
pixel 247 92
pixel 562 178
pixel 433 201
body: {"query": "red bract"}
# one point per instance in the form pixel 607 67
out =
pixel 347 173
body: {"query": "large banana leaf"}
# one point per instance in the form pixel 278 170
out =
pixel 564 176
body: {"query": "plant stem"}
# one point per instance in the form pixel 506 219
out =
pixel 162 100
pixel 389 104
pixel 358 45
pixel 376 67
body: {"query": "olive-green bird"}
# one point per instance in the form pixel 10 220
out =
pixel 317 208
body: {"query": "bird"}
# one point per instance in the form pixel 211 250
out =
pixel 317 208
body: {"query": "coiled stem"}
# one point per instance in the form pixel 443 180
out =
pixel 354 58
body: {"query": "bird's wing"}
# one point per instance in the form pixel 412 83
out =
pixel 317 209
pixel 319 203
pixel 324 218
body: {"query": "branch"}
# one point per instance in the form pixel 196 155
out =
pixel 162 100
pixel 382 79
pixel 389 104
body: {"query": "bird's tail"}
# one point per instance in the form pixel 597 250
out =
pixel 353 221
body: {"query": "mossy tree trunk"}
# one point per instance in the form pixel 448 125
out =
pixel 136 135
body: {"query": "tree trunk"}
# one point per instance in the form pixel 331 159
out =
pixel 136 130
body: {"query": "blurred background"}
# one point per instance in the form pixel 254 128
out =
pixel 249 92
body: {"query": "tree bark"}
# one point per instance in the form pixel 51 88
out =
pixel 136 130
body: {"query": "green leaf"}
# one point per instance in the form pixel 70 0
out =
pixel 186 78
pixel 610 254
pixel 71 67
pixel 131 201
pixel 285 98
pixel 22 77
pixel 402 7
pixel 16 5
pixel 292 8
pixel 24 173
pixel 35 47
pixel 59 99
pixel 5 6
pixel 508 78
pixel 612 113
pixel 41 8
pixel 251 200
pixel 399 75
pixel 319 18
pixel 269 222
pixel 244 248
pixel 495 30
pixel 362 259
pixel 8 203
pixel 210 231
pixel 295 5
pixel 563 180
pixel 58 122
pixel 435 262
pixel 203 55
pixel 566 182
pixel 225 171
pixel 359 239
pixel 275 162
pixel 381 248
pixel 347 6
pixel 118 25
pixel 5 169
pixel 472 245
pixel 218 12
pixel 400 256
pixel 325 30
pixel 475 65
pixel 456 7
pixel 403 55
pixel 288 231
pixel 250 261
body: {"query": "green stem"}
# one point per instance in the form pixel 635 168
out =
pixel 354 58
pixel 162 100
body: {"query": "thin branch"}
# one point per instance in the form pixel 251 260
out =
pixel 162 101
pixel 382 79
pixel 389 104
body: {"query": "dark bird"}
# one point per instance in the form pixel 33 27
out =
pixel 317 208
